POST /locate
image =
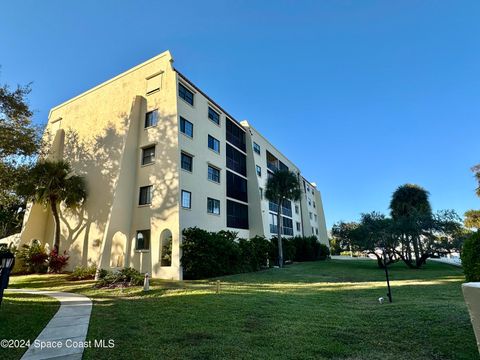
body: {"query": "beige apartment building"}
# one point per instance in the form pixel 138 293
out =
pixel 159 156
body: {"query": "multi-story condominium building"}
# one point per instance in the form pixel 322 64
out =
pixel 159 156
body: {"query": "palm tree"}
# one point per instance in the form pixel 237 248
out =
pixel 282 185
pixel 411 210
pixel 51 183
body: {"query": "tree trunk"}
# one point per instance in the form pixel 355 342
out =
pixel 279 235
pixel 56 217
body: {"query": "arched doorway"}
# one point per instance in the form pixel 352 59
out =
pixel 165 255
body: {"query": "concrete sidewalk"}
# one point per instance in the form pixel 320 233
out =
pixel 67 330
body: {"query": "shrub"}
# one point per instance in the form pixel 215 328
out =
pixel 208 254
pixel 254 253
pixel 56 263
pixel 323 252
pixel 288 247
pixel 33 258
pixel 471 257
pixel 125 276
pixel 83 273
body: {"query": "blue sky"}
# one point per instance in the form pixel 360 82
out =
pixel 362 95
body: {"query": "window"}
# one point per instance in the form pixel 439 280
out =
pixel 187 162
pixel 142 240
pixel 151 118
pixel 186 127
pixel 313 203
pixel 148 155
pixel 237 215
pixel 298 226
pixel 236 187
pixel 261 193
pixel 259 170
pixel 186 199
pixel 287 225
pixel 236 161
pixel 296 209
pixel 282 166
pixel 213 174
pixel 213 144
pixel 214 116
pixel 213 206
pixel 316 231
pixel 154 83
pixel 185 94
pixel 313 230
pixel 256 148
pixel 309 202
pixel 310 214
pixel 235 135
pixel 145 197
pixel 315 216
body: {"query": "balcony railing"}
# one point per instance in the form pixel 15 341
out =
pixel 285 230
pixel 274 208
pixel 272 166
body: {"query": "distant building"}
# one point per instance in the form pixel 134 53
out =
pixel 159 156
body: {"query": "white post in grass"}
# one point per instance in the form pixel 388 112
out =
pixel 146 283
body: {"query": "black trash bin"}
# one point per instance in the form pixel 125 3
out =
pixel 7 261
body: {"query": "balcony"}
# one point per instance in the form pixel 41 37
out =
pixel 272 166
pixel 274 208
pixel 285 230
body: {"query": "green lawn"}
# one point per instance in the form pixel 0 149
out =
pixel 318 310
pixel 23 317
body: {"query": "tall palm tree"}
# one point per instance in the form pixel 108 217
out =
pixel 51 183
pixel 282 185
pixel 410 209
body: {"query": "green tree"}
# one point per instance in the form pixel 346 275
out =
pixel 19 143
pixel 376 234
pixel 282 186
pixel 51 183
pixel 412 213
pixel 343 234
pixel 472 219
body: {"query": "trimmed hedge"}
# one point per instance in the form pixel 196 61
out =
pixel 471 257
pixel 210 254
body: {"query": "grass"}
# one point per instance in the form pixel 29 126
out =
pixel 23 317
pixel 318 310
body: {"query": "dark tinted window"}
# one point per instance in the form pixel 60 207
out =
pixel 236 161
pixel 187 162
pixel 186 127
pixel 185 94
pixel 151 118
pixel 213 206
pixel 148 155
pixel 213 174
pixel 236 187
pixel 235 135
pixel 213 144
pixel 237 215
pixel 145 197
pixel 214 116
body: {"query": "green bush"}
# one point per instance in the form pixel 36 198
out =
pixel 125 276
pixel 209 254
pixel 471 257
pixel 34 258
pixel 323 252
pixel 84 273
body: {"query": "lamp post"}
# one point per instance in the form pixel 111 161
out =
pixel 389 294
pixel 7 260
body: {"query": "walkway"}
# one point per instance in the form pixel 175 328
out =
pixel 67 329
